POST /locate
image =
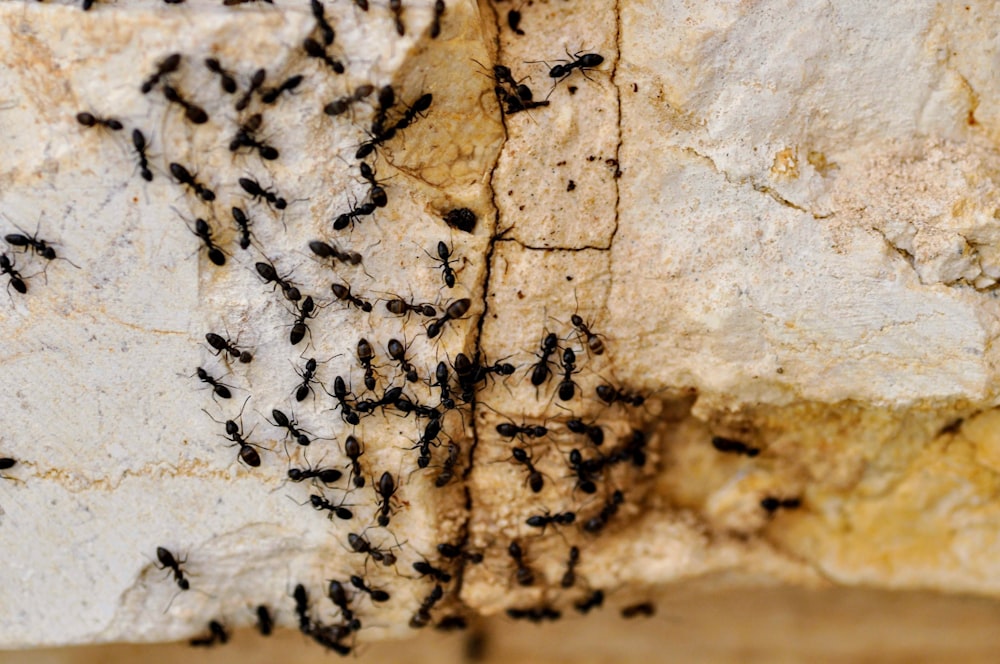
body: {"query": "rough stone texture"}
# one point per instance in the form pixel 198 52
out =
pixel 779 216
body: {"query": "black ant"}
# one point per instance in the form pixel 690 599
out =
pixel 421 105
pixel 194 113
pixel 569 577
pixel 166 66
pixel 405 406
pixel 184 176
pixel 16 278
pixel 168 561
pixel 386 100
pixel 204 231
pixel 139 141
pixel 593 432
pixel 353 450
pixel 734 446
pixel 401 307
pixel 424 568
pixel 396 7
pixel 376 594
pixel 643 609
pixel 324 250
pixel 365 356
pixel 514 21
pixel 329 636
pixel 299 328
pixel 221 344
pixel 423 615
pixel 385 489
pixel 541 371
pixel 218 388
pixel 247 453
pixel 40 247
pixel 307 375
pixel 361 545
pixel 319 13
pixel 594 342
pixel 436 21
pixel 346 411
pixel 243 225
pixel 368 147
pixel 453 311
pixel 397 351
pixel 284 422
pixel 376 194
pixel 510 430
pixel 341 105
pixel 389 398
pixel 535 614
pixel 442 382
pixel 535 479
pixel 271 95
pixel 256 192
pixel 338 595
pixel 316 50
pixel 444 256
pixel 245 138
pixel 462 219
pixel 226 79
pixel 452 551
pixel 265 622
pixel 91 120
pixel 581 62
pixel 567 388
pixel 448 467
pixel 320 503
pixel 609 395
pixel 544 520
pixel 633 450
pixel 592 601
pixel 596 523
pixel 772 504
pixel 302 608
pixel 524 576
pixel 269 274
pixel 324 475
pixel 256 81
pixel 343 293
pixel 354 215
pixel 216 634
pixel 586 470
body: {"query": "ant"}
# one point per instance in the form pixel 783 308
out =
pixel 453 311
pixel 324 475
pixel 585 470
pixel 772 504
pixel 329 636
pixel 569 577
pixel 386 100
pixel 168 561
pixel 217 634
pixel 218 388
pixel 341 105
pixel 354 215
pixel 40 247
pixel 424 568
pixel 390 397
pixel 451 551
pixel 166 66
pixel 194 113
pixel 16 279
pixel 567 388
pixel 324 250
pixel 581 62
pixel 271 95
pixel 299 328
pixel 442 382
pixel 596 523
pixel 541 371
pixel 535 614
pixel 448 467
pixel 365 355
pixel 368 147
pixel 462 219
pixel 594 342
pixel 91 120
pixel 643 609
pixel 634 450
pixel 354 451
pixel 514 21
pixel 444 256
pixel 256 192
pixel 302 608
pixel 227 81
pixel 338 595
pixel 243 225
pixel 139 141
pixel 421 105
pixel 376 194
pixel 436 21
pixel 376 594
pixel 245 138
pixel 734 446
pixel 308 377
pixel 221 344
pixel 247 453
pixel 535 479
pixel 346 411
pixel 256 81
pixel 265 622
pixel 544 520
pixel 400 307
pixel 593 432
pixel 361 545
pixel 320 503
pixel 396 7
pixel 609 395
pixel 319 13
pixel 183 176
pixel 510 430
pixel 397 351
pixel 204 231
pixel 316 50
pixel 269 274
pixel 385 489
pixel 343 292
pixel 284 422
pixel 423 614
pixel 524 576
pixel 590 602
